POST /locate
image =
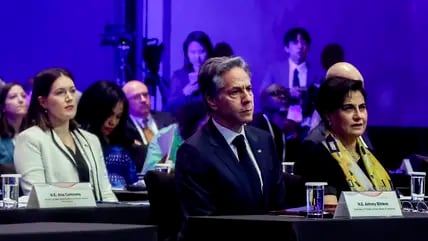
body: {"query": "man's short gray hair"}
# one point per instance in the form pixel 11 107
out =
pixel 210 78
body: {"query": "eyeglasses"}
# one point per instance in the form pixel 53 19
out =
pixel 409 206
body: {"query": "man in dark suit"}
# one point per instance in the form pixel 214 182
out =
pixel 143 123
pixel 228 167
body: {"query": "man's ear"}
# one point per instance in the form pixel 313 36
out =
pixel 42 101
pixel 212 103
pixel 286 49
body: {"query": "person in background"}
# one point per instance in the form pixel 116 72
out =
pixel 13 106
pixel 295 74
pixel 223 49
pixel 190 117
pixel 2 83
pixel 143 123
pixel 103 110
pixel 332 54
pixel 275 119
pixel 54 149
pixel 197 48
pixel 345 70
pixel 342 159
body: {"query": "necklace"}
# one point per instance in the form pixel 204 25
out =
pixel 355 155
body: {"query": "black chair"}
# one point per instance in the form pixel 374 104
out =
pixel 165 210
pixel 295 191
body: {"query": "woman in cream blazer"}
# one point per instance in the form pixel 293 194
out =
pixel 55 149
pixel 41 157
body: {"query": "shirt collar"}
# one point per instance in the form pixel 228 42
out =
pixel 140 119
pixel 228 134
pixel 301 67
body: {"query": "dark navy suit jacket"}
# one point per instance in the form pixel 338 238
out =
pixel 209 182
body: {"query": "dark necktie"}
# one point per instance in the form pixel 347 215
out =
pixel 296 82
pixel 246 165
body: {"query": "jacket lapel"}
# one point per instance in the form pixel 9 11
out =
pixel 223 152
pixel 221 148
pixel 61 145
pixel 258 149
pixel 83 145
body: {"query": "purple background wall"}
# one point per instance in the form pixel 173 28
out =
pixel 385 39
pixel 41 34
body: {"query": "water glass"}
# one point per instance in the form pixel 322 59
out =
pixel 417 186
pixel 288 167
pixel 409 206
pixel 315 199
pixel 10 190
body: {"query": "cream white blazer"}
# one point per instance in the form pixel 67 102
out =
pixel 41 157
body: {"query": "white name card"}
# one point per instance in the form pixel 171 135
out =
pixel 368 204
pixel 61 195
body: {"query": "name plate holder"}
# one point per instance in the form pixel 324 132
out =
pixel 60 195
pixel 368 204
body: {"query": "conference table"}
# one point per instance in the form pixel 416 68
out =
pixel 126 195
pixel 52 231
pixel 118 213
pixel 412 226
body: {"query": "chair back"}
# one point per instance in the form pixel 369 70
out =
pixel 165 209
pixel 295 191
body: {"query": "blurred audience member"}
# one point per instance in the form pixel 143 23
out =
pixel 189 117
pixel 54 149
pixel 103 110
pixel 345 70
pixel 295 73
pixel 332 54
pixel 13 106
pixel 197 48
pixel 143 123
pixel 276 119
pixel 223 49
pixel 2 83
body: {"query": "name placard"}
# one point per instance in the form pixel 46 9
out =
pixel 61 195
pixel 368 204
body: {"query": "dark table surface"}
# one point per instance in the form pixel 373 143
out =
pixel 126 195
pixel 278 227
pixel 47 231
pixel 103 213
